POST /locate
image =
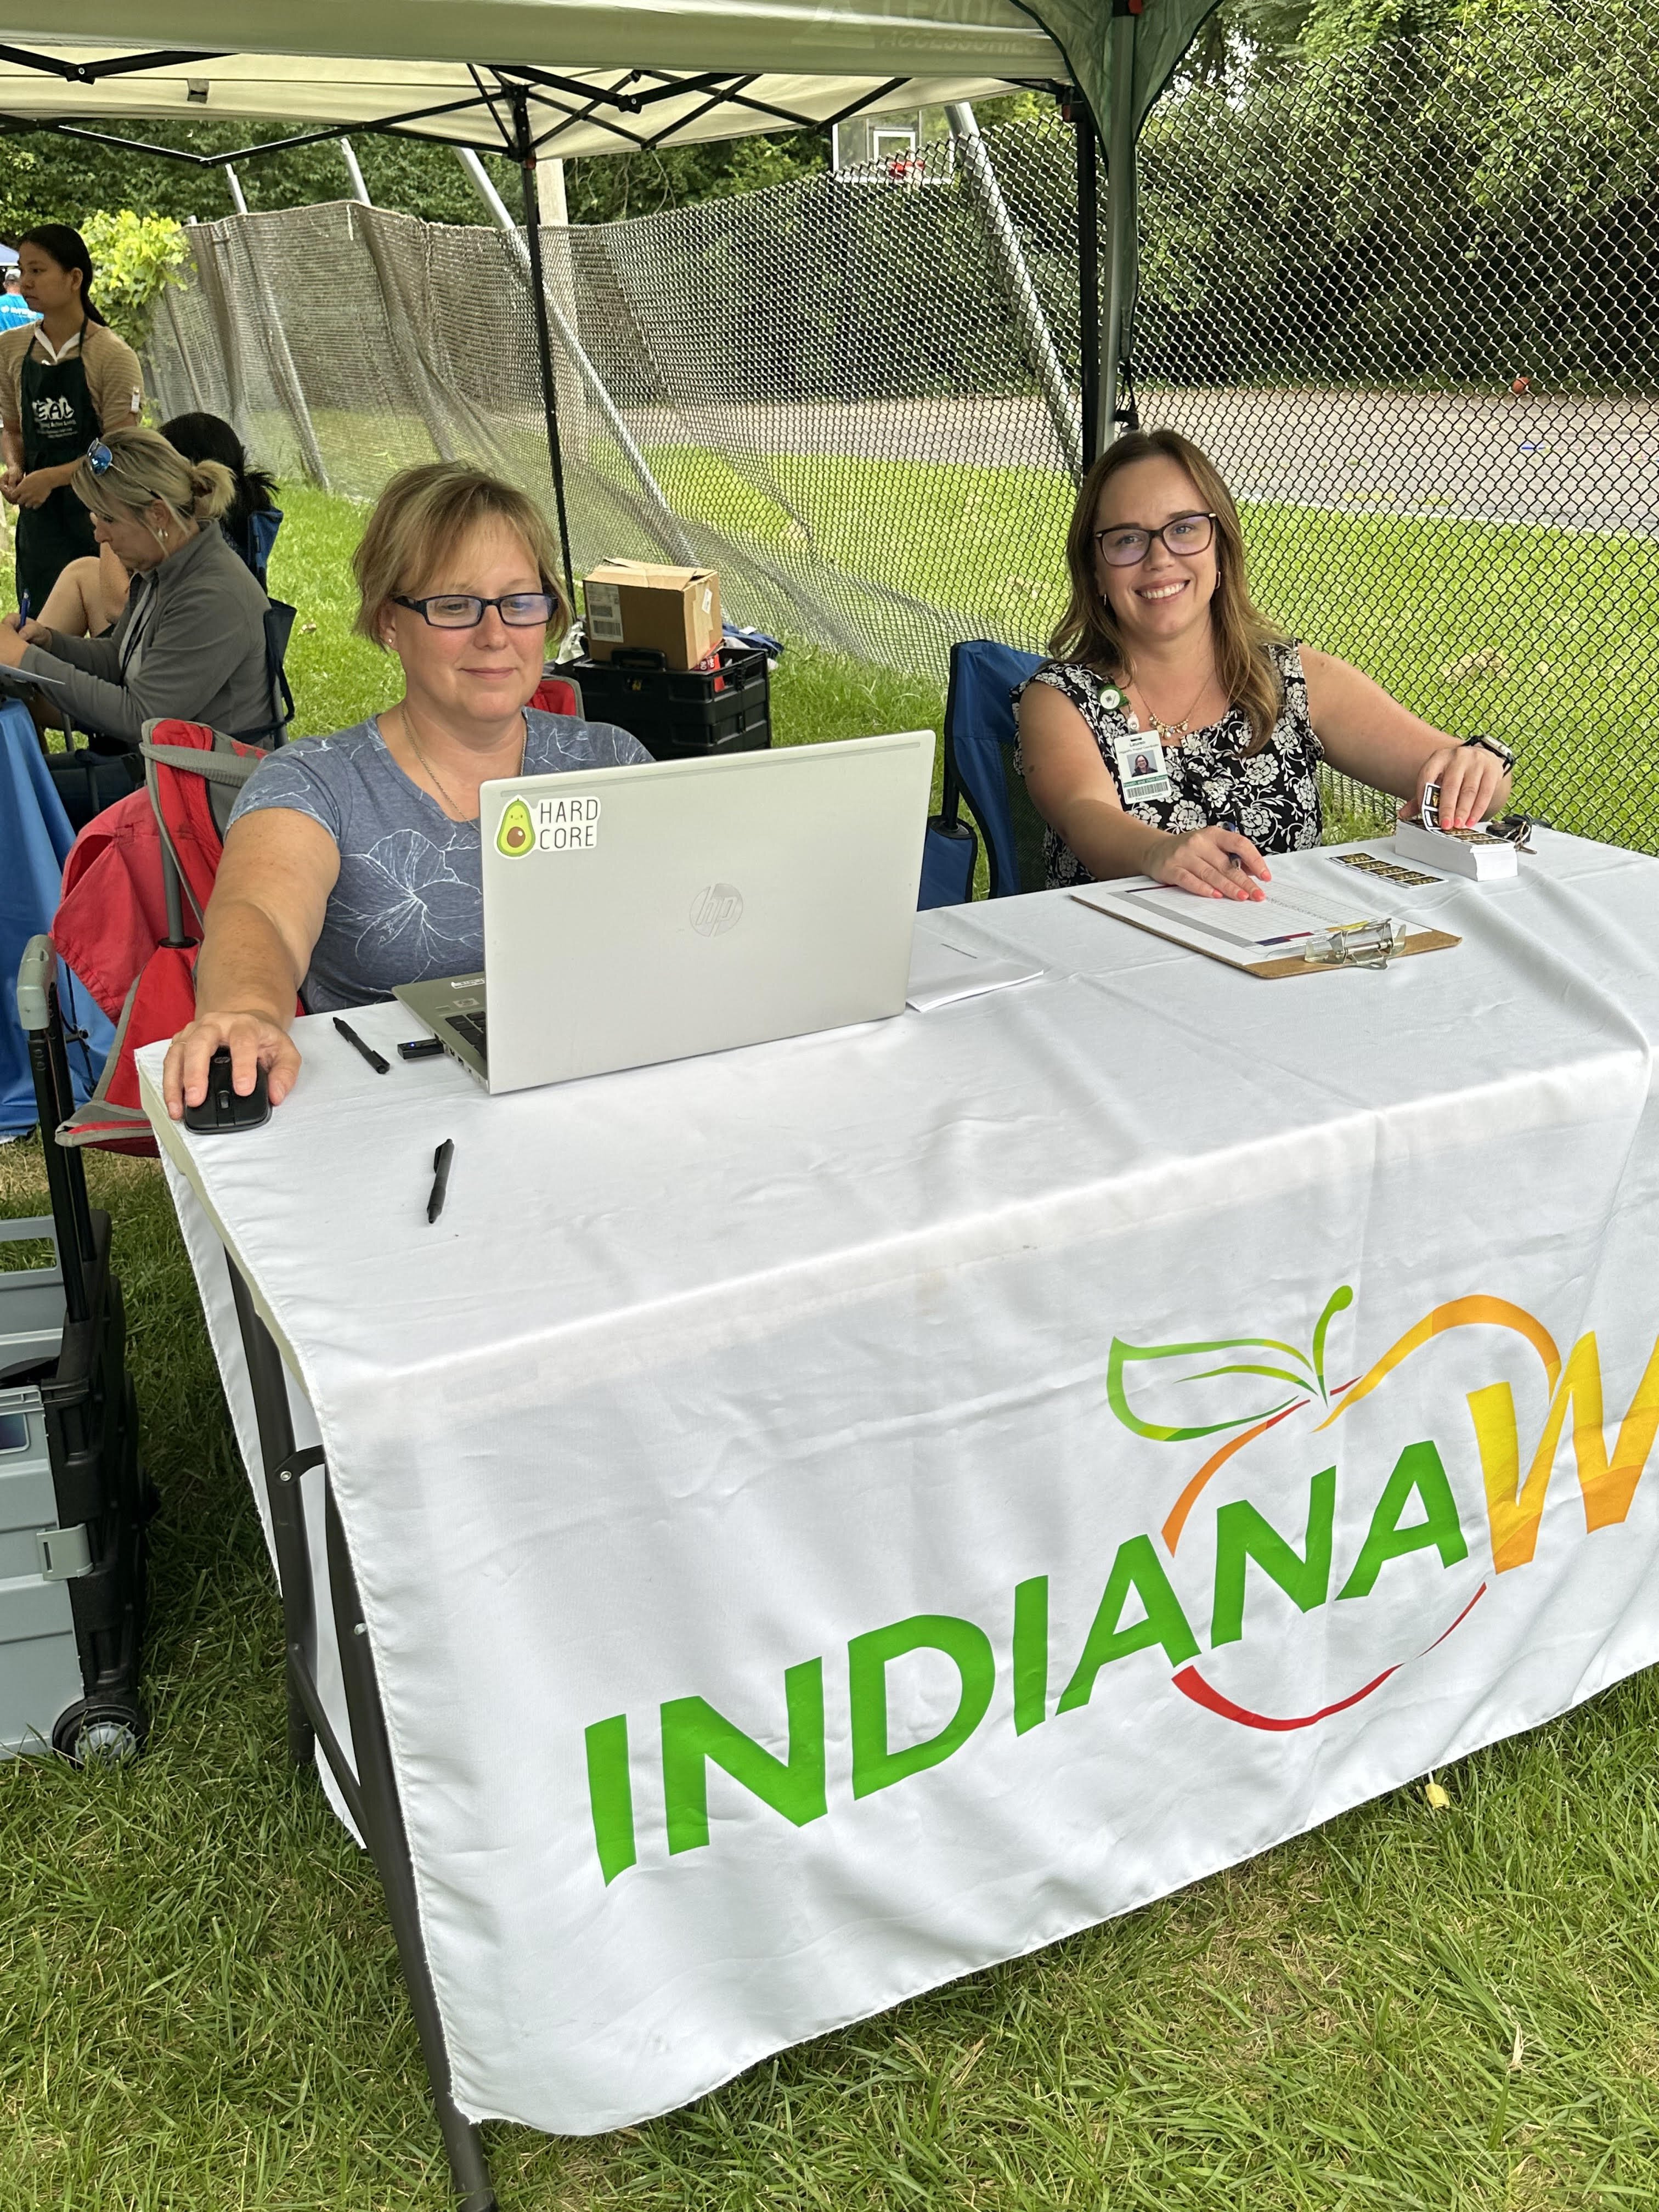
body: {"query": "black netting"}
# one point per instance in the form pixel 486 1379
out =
pixel 1411 312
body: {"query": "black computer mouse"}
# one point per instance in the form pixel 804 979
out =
pixel 223 1107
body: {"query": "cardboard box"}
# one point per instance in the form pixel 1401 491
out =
pixel 675 612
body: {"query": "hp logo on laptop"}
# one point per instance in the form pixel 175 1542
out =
pixel 716 908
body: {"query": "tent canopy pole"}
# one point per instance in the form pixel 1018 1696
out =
pixel 1088 270
pixel 1120 220
pixel 526 150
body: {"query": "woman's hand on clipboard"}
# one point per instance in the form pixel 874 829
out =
pixel 1217 861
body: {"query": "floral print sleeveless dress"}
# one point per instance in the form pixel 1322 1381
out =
pixel 1273 795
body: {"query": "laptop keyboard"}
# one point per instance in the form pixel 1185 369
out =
pixel 473 1028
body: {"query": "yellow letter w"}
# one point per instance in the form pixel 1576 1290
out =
pixel 1515 1510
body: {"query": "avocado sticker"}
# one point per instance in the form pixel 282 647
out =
pixel 517 833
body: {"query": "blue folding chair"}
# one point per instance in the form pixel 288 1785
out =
pixel 979 769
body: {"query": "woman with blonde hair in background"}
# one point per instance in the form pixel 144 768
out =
pixel 1177 733
pixel 192 640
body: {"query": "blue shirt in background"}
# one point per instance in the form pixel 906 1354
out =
pixel 15 311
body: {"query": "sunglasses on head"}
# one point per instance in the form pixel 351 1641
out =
pixel 100 460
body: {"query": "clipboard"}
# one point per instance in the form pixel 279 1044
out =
pixel 1248 960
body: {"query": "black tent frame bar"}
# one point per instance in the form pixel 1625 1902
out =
pixel 727 89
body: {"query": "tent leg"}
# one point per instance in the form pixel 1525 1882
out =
pixel 389 1843
pixel 979 174
pixel 1120 225
pixel 371 1791
pixel 533 232
pixel 1088 271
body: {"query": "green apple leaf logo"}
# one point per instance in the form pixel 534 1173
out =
pixel 1305 1375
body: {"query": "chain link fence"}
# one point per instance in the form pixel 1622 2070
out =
pixel 1406 298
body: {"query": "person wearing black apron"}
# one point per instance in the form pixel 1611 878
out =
pixel 65 381
pixel 59 422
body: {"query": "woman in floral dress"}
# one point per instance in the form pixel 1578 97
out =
pixel 1176 733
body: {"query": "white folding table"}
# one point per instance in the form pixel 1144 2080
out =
pixel 810 1522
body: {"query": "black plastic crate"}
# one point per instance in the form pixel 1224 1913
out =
pixel 682 714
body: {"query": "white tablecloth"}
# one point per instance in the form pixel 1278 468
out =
pixel 816 1371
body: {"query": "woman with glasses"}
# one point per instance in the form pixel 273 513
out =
pixel 191 640
pixel 352 862
pixel 1176 733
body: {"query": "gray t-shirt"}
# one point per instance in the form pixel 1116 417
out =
pixel 409 901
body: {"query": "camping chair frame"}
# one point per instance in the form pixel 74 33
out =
pixel 369 1786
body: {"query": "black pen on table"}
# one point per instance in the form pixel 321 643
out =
pixel 380 1066
pixel 440 1159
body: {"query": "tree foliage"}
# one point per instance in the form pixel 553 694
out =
pixel 136 257
pixel 1412 194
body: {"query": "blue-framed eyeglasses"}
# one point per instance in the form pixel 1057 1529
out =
pixel 100 460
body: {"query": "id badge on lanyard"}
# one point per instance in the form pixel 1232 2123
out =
pixel 1142 772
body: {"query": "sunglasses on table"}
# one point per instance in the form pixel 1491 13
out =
pixel 1127 544
pixel 463 611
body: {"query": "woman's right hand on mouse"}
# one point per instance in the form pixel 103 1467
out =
pixel 1214 862
pixel 253 1040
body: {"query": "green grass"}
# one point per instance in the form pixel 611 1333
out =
pixel 201 2011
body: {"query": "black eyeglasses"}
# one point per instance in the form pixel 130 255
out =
pixel 465 611
pixel 100 460
pixel 1126 545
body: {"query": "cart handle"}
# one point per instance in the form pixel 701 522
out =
pixel 36 979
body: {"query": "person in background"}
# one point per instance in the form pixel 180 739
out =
pixel 64 381
pixel 14 309
pixel 353 862
pixel 87 599
pixel 254 516
pixel 192 640
pixel 1162 663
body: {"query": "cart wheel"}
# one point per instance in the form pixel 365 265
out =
pixel 109 1730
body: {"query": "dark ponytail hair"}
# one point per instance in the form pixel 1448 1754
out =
pixel 211 438
pixel 69 250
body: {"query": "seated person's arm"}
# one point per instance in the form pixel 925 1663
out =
pixel 1369 736
pixel 263 920
pixel 1072 788
pixel 97 657
pixel 188 658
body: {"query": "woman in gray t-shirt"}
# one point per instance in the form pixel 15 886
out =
pixel 352 862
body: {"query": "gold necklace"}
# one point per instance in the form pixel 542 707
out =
pixel 1167 731
pixel 450 807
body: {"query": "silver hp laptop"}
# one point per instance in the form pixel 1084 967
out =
pixel 634 915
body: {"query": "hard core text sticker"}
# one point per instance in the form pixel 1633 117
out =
pixel 551 825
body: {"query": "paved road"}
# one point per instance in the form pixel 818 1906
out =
pixel 1571 464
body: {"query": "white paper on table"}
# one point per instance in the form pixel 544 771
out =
pixel 941 973
pixel 1263 922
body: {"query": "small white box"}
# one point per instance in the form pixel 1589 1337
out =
pixel 1487 860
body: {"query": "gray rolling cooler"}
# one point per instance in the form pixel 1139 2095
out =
pixel 72 1499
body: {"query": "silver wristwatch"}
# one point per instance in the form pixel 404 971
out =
pixel 1496 747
